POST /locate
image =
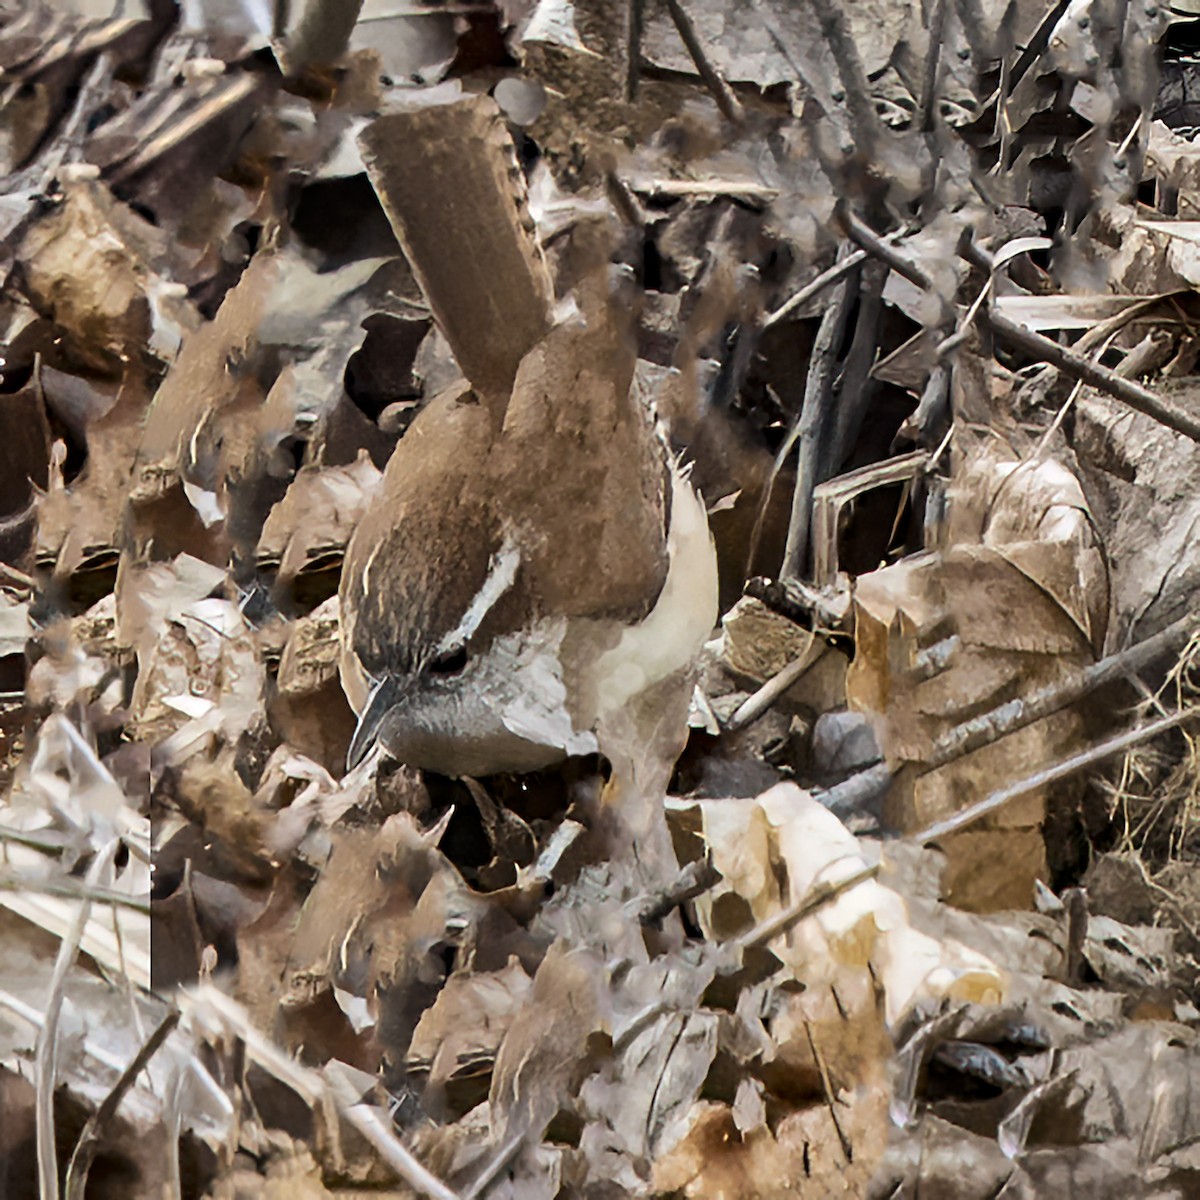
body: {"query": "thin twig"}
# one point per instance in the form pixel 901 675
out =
pixel 204 1003
pixel 1075 902
pixel 236 90
pixel 830 1096
pixel 69 141
pixel 1102 378
pixel 370 1123
pixel 942 447
pixel 694 880
pixel 1035 47
pixel 624 201
pixel 927 101
pixel 933 660
pixel 859 791
pixel 858 230
pixel 10 574
pixel 1002 127
pixel 828 612
pixel 808 70
pixel 496 1164
pixel 856 89
pixel 722 93
pixel 1040 779
pixel 857 388
pixel 127 983
pixel 815 286
pixel 1017 714
pixel 825 893
pixel 89 1139
pixel 46 1054
pixel 822 894
pixel 1072 363
pixel 49 841
pixel 988 728
pixel 754 706
pixel 633 66
pixel 73 890
pixel 931 418
pixel 1054 426
pixel 173 1111
pixel 963 327
pixel 36 1018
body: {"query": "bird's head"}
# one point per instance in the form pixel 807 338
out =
pixel 485 695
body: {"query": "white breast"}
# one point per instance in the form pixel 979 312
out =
pixel 681 621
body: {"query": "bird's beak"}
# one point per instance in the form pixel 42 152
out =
pixel 385 695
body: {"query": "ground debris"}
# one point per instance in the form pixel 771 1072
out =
pixel 491 308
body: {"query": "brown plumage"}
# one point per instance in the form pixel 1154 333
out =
pixel 524 526
pixel 571 489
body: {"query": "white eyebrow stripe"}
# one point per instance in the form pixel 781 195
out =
pixel 366 575
pixel 502 571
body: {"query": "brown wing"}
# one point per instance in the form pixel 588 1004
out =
pixel 575 478
pixel 421 551
pixel 585 476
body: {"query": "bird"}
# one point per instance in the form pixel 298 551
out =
pixel 514 584
pixel 536 561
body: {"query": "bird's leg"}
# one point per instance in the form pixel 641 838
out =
pixel 642 742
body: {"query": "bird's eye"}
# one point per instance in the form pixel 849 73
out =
pixel 449 663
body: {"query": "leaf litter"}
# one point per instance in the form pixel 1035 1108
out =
pixel 909 908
